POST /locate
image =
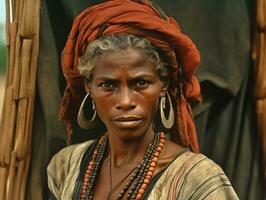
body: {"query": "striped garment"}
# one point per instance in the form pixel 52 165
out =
pixel 189 176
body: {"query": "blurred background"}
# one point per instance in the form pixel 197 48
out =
pixel 2 51
pixel 226 120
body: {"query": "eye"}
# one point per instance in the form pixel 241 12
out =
pixel 107 85
pixel 141 84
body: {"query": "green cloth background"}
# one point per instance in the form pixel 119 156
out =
pixel 225 120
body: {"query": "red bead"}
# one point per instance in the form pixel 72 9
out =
pixel 148 177
pixel 162 135
pixel 162 140
pixel 144 186
pixel 159 149
pixel 160 145
pixel 153 164
pixel 138 197
pixel 151 169
pixel 155 159
pixel 86 179
pixel 147 181
pixel 149 173
pixel 86 175
pixel 141 191
pixel 156 154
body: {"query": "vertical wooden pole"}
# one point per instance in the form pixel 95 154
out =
pixel 17 115
pixel 259 58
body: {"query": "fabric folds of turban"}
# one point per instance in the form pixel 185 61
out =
pixel 143 19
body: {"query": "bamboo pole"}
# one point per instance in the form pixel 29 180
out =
pixel 3 166
pixel 3 178
pixel 12 176
pixel 21 143
pixel 259 58
pixel 17 115
pixel 24 178
pixel 6 139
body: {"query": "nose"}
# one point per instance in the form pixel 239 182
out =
pixel 125 100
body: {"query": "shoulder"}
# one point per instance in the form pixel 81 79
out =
pixel 198 163
pixel 61 164
pixel 204 179
pixel 67 155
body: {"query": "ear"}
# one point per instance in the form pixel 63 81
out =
pixel 87 85
pixel 165 84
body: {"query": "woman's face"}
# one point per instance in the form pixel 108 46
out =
pixel 126 88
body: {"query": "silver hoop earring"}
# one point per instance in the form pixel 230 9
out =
pixel 167 122
pixel 82 121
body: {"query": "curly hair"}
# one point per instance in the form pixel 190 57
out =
pixel 111 43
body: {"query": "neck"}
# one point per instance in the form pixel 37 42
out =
pixel 124 152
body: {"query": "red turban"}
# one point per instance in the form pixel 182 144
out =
pixel 144 19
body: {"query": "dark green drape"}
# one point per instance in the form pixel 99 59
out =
pixel 225 120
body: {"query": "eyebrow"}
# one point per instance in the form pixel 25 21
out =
pixel 112 78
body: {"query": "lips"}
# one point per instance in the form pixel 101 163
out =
pixel 127 121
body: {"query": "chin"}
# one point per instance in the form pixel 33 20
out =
pixel 129 134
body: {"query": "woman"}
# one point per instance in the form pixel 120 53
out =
pixel 137 70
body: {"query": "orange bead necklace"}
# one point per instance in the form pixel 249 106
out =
pixel 141 177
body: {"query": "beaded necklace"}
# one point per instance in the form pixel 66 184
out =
pixel 141 177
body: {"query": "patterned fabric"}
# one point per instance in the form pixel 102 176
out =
pixel 189 176
pixel 195 177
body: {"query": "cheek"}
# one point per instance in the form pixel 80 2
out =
pixel 103 107
pixel 146 103
pixel 149 103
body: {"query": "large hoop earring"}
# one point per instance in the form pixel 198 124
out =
pixel 167 122
pixel 82 121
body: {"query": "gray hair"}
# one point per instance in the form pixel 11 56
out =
pixel 107 44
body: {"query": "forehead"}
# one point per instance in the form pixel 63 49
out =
pixel 128 61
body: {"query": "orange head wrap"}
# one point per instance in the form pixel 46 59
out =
pixel 144 19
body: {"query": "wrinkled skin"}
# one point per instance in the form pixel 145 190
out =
pixel 126 88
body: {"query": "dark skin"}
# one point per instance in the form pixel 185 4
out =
pixel 126 88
